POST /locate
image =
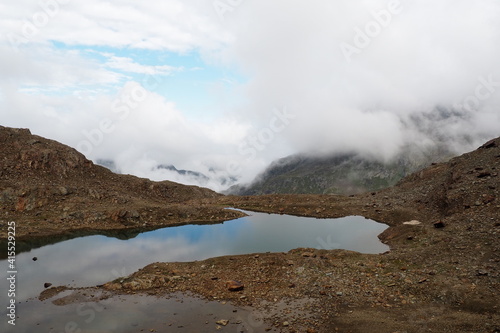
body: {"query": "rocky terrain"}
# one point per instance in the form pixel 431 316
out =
pixel 345 174
pixel 50 189
pixel 441 275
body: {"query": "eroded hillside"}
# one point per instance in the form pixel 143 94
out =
pixel 50 188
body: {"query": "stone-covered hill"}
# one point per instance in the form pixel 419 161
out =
pixel 343 174
pixel 50 188
pixel 465 185
pixel 442 273
pixel 448 264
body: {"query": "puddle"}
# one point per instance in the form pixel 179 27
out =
pixel 178 313
pixel 93 260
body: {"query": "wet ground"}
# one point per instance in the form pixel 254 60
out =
pixel 92 311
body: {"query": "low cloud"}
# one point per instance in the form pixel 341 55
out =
pixel 424 58
pixel 415 72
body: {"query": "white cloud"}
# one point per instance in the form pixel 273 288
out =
pixel 431 54
pixel 47 69
pixel 128 65
pixel 167 25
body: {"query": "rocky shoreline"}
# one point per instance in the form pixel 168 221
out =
pixel 441 274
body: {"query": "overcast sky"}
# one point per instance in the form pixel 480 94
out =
pixel 225 87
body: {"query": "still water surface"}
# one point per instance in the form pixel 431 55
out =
pixel 92 260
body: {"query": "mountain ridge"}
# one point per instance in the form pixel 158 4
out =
pixel 343 173
pixel 50 187
pixel 183 176
pixel 443 265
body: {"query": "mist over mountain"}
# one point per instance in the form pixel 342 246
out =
pixel 215 91
pixel 344 174
pixel 188 177
pixel 350 171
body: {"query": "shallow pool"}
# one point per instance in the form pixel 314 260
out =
pixel 92 260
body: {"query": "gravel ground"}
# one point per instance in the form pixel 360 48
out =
pixel 441 275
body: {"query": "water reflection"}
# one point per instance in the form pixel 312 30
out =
pixel 92 260
pixel 128 314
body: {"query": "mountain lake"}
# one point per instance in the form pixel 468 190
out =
pixel 96 259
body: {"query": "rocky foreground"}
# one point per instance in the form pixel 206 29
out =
pixel 441 275
pixel 51 189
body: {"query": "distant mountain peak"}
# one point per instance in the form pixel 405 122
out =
pixel 342 173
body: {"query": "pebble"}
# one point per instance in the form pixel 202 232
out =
pixel 222 322
pixel 412 222
pixel 234 285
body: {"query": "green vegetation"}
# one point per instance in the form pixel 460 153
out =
pixel 344 174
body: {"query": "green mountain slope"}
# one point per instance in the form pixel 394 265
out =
pixel 338 174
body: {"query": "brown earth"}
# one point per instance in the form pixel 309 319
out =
pixel 51 189
pixel 441 275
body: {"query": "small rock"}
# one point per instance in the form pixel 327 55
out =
pixel 35 258
pixel 47 284
pixel 234 285
pixel 489 144
pixel 63 190
pixel 308 255
pixel 439 224
pixel 286 324
pixel 484 174
pixel 222 322
pixel 412 222
pixel 488 199
pixel 33 141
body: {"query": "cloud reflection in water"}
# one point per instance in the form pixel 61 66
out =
pixel 93 260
